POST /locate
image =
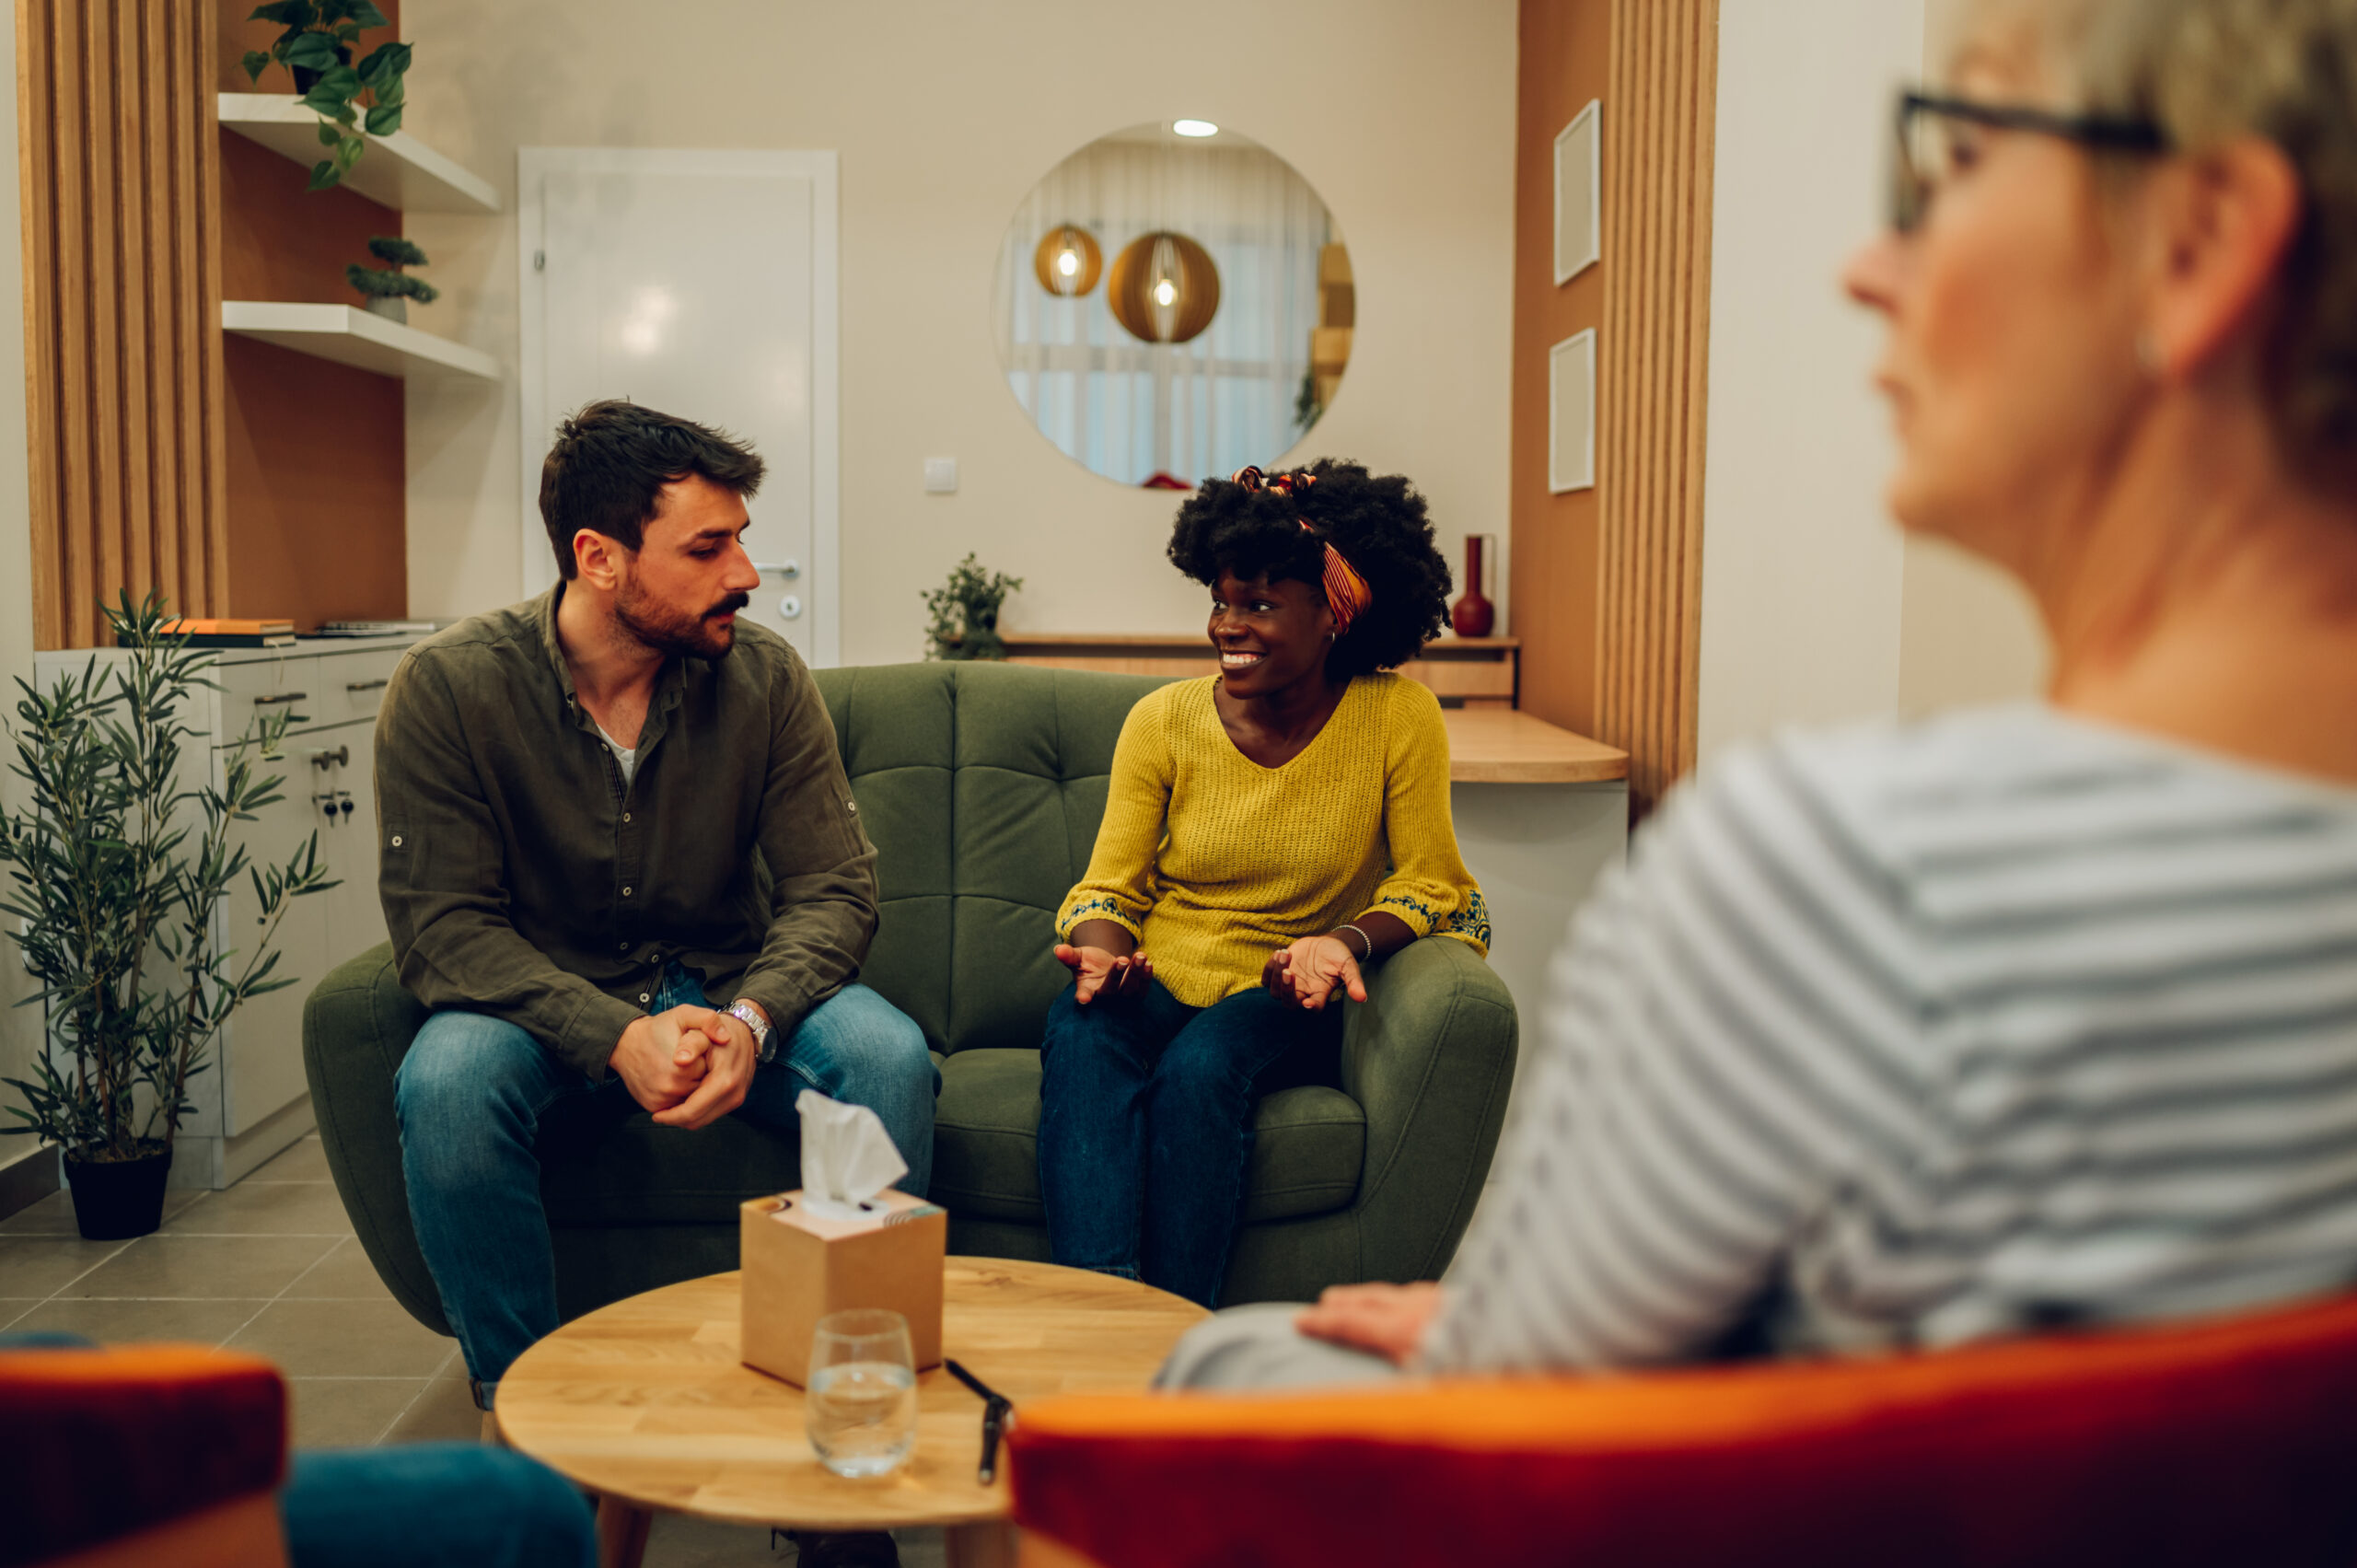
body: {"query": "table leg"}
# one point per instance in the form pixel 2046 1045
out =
pixel 989 1544
pixel 622 1533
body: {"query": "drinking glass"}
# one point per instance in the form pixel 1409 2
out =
pixel 861 1409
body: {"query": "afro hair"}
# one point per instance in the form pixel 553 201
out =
pixel 1379 523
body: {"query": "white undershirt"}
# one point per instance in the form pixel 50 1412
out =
pixel 626 756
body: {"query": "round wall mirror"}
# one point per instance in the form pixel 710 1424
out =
pixel 1173 302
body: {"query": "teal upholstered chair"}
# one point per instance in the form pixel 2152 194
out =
pixel 982 785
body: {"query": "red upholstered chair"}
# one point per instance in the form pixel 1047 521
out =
pixel 2231 1441
pixel 160 1456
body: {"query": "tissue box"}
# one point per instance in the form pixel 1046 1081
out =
pixel 800 1267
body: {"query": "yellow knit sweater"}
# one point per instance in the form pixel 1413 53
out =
pixel 1213 862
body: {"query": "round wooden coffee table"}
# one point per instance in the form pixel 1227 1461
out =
pixel 645 1403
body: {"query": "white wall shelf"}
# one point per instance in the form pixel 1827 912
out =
pixel 398 170
pixel 355 337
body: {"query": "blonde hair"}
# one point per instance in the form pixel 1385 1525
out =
pixel 2209 70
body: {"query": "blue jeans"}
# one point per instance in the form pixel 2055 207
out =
pixel 457 1504
pixel 1145 1127
pixel 470 1095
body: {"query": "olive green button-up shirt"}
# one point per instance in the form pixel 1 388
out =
pixel 525 878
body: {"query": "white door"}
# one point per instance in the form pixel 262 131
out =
pixel 702 284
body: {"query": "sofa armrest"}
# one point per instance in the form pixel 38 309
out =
pixel 121 1441
pixel 1430 1058
pixel 357 1026
pixel 2218 1441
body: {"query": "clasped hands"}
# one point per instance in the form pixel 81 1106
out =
pixel 689 1066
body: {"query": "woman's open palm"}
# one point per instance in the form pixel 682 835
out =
pixel 1308 973
pixel 1097 972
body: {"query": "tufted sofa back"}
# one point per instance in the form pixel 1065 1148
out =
pixel 982 785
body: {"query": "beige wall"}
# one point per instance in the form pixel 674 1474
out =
pixel 1815 608
pixel 1802 573
pixel 20 1027
pixel 1400 113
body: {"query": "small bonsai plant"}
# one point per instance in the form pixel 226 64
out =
pixel 316 47
pixel 388 288
pixel 117 869
pixel 965 613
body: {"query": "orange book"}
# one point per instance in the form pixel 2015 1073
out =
pixel 200 627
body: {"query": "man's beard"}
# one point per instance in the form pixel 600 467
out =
pixel 680 633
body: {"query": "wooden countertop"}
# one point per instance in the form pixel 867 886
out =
pixel 1195 642
pixel 1507 746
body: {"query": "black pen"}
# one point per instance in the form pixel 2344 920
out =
pixel 995 1410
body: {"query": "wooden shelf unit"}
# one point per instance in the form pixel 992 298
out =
pixel 398 170
pixel 355 337
pixel 1474 672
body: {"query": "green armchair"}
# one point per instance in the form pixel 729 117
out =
pixel 982 785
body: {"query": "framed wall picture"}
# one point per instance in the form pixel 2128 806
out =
pixel 1570 413
pixel 1579 196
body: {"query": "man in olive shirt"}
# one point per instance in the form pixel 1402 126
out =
pixel 619 858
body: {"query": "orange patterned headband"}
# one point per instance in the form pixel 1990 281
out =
pixel 1347 594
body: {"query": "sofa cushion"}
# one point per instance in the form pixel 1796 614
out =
pixel 606 1165
pixel 1309 1143
pixel 981 786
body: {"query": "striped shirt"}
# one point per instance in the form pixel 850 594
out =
pixel 1912 1035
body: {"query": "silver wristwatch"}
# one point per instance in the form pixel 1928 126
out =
pixel 755 1022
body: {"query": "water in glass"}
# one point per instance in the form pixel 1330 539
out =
pixel 861 1408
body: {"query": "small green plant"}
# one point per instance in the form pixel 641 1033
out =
pixel 965 613
pixel 316 47
pixel 389 281
pixel 117 869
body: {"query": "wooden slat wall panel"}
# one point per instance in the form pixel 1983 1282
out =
pixel 1653 364
pixel 121 181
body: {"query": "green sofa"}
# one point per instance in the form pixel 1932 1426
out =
pixel 982 785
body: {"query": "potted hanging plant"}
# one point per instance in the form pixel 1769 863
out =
pixel 316 48
pixel 387 289
pixel 965 613
pixel 116 871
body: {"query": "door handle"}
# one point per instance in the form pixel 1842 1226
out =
pixel 366 685
pixel 281 697
pixel 787 569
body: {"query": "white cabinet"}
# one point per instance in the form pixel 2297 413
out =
pixel 253 1102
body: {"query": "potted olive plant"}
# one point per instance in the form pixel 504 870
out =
pixel 965 613
pixel 117 867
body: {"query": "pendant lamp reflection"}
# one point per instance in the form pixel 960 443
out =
pixel 1068 262
pixel 1164 288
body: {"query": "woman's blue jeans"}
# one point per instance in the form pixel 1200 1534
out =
pixel 470 1095
pixel 1145 1127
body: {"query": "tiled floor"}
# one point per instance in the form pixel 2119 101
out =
pixel 271 1266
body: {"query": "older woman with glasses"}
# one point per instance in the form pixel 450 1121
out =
pixel 2031 1016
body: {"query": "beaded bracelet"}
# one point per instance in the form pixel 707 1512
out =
pixel 1364 937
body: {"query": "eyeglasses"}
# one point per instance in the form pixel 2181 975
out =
pixel 1935 138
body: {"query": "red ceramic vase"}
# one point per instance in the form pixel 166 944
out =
pixel 1474 615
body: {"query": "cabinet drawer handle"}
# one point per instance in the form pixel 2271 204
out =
pixel 281 697
pixel 364 685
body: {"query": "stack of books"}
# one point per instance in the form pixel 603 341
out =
pixel 219 633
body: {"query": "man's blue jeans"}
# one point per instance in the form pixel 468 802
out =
pixel 1145 1127
pixel 470 1095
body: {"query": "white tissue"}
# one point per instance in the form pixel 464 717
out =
pixel 847 1157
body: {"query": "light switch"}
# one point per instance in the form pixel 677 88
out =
pixel 941 476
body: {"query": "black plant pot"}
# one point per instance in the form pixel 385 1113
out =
pixel 305 80
pixel 115 1200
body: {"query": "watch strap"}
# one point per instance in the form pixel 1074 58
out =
pixel 763 1051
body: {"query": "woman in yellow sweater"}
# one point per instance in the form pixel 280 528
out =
pixel 1270 831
